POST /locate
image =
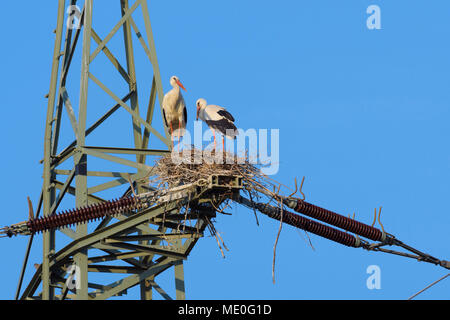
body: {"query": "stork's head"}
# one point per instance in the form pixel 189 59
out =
pixel 201 103
pixel 174 81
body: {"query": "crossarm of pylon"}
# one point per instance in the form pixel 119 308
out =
pixel 96 237
pixel 122 161
pixel 143 228
pixel 103 174
pixel 116 183
pixel 118 256
pixel 148 248
pixel 111 251
pixel 156 236
pixel 133 151
pixel 113 269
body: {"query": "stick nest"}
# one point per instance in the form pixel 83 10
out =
pixel 190 166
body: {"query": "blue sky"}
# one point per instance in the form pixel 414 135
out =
pixel 363 114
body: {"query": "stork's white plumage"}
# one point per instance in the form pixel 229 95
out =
pixel 174 108
pixel 217 118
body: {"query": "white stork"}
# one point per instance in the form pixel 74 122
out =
pixel 174 109
pixel 217 118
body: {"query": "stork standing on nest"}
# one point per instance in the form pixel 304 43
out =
pixel 174 109
pixel 217 118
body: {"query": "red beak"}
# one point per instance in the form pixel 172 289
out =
pixel 181 85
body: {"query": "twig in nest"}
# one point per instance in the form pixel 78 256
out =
pixel 223 242
pixel 227 204
pixel 183 220
pixel 254 210
pixel 275 193
pixel 301 189
pixel 276 242
pixel 310 242
pixel 214 232
pixel 164 219
pixel 309 239
pixel 374 217
pixel 131 185
pixel 215 208
pixel 276 182
pixel 295 191
pixel 197 225
pixel 379 220
pixel 169 174
pixel 185 214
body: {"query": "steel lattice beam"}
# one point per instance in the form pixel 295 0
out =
pixel 113 236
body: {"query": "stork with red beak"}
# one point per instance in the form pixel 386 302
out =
pixel 174 109
pixel 217 118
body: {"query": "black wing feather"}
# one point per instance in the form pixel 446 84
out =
pixel 224 126
pixel 165 119
pixel 226 114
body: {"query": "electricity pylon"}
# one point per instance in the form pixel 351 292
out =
pixel 148 258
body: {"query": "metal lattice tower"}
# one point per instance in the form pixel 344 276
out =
pixel 148 258
pixel 129 240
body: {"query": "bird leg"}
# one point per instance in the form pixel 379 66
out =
pixel 214 133
pixel 179 135
pixel 171 134
pixel 223 149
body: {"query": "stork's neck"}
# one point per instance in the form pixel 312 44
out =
pixel 201 113
pixel 176 89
